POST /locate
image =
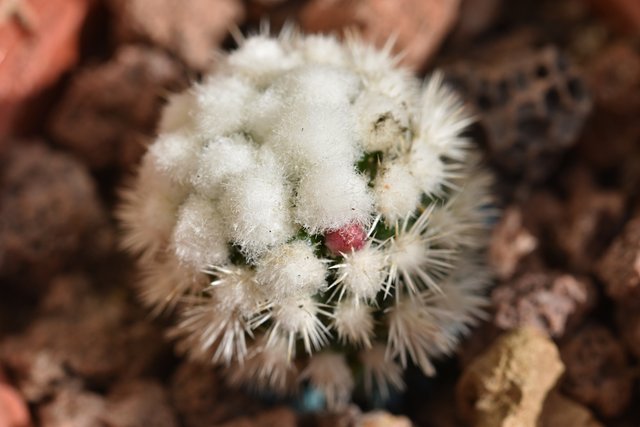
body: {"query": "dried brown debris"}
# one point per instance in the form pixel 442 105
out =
pixel 598 372
pixel 548 301
pixel 109 112
pixel 190 29
pixel 507 385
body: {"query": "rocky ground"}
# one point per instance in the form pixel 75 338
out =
pixel 556 89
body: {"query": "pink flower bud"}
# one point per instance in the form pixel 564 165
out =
pixel 345 239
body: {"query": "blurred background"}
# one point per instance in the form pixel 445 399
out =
pixel 555 87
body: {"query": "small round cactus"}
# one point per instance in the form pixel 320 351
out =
pixel 312 213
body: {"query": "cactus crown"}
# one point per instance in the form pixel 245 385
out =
pixel 311 208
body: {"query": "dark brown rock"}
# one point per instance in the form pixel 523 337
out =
pixel 98 340
pixel 278 417
pixel 109 112
pixel 202 399
pixel 49 212
pixel 591 218
pixel 619 268
pixel 531 103
pixel 191 29
pixel 597 371
pixel 548 301
pixel 628 321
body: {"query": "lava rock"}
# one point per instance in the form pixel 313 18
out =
pixel 598 372
pixel 531 105
pixel 49 212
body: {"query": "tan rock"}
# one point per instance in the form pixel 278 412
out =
pixel 560 411
pixel 419 26
pixel 382 419
pixel 507 385
pixel 191 29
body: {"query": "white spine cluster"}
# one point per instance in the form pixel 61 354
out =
pixel 312 193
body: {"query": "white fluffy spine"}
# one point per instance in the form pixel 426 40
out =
pixel 199 238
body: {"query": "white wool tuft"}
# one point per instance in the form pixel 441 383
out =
pixel 176 155
pixel 354 322
pixel 265 111
pixel 429 169
pixel 165 280
pixel 330 198
pixel 256 209
pixel 414 260
pixel 221 159
pixel 311 135
pixel 222 104
pixel 362 273
pixel 329 373
pixel 442 119
pixel 298 317
pixel 397 192
pixel 322 85
pixel 412 330
pixel 199 237
pixel 381 122
pixel 380 371
pixel 149 211
pixel 290 270
pixel 323 49
pixel 261 58
pixel 178 112
pixel 267 368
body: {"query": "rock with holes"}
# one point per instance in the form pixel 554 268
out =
pixel 532 105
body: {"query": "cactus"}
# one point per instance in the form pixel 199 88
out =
pixel 313 215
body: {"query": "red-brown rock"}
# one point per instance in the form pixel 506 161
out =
pixel 550 302
pixel 619 268
pixel 39 42
pixel 419 26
